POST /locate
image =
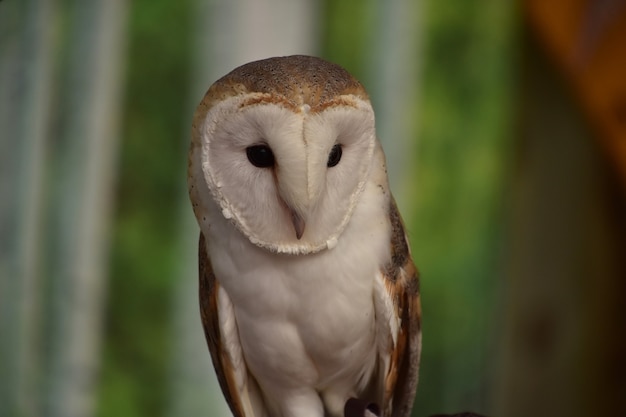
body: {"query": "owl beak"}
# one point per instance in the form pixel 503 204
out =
pixel 298 223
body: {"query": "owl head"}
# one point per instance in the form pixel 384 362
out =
pixel 281 148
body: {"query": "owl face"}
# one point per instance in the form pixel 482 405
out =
pixel 284 158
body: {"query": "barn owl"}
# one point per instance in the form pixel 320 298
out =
pixel 308 295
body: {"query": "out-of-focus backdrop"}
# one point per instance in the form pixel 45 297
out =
pixel 505 128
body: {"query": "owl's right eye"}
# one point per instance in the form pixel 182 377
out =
pixel 260 156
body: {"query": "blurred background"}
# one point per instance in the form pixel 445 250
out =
pixel 504 123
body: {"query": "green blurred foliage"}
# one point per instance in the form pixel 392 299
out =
pixel 466 102
pixel 464 107
pixel 137 350
pixel 347 25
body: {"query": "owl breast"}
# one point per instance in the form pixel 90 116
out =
pixel 307 320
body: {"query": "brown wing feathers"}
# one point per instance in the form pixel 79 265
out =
pixel 209 314
pixel 402 282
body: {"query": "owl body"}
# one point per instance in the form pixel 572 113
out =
pixel 310 328
pixel 311 324
pixel 308 293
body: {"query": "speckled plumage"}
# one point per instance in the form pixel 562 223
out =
pixel 298 79
pixel 298 322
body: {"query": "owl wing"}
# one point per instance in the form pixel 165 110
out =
pixel 220 330
pixel 398 313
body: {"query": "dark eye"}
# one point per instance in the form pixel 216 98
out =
pixel 335 156
pixel 260 156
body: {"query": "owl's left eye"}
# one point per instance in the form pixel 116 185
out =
pixel 261 156
pixel 335 156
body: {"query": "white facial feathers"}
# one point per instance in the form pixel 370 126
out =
pixel 263 200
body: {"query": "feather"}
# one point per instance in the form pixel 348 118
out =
pixel 238 387
pixel 401 282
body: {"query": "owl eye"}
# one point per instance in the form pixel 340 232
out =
pixel 260 156
pixel 335 156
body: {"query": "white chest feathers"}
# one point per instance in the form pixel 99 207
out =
pixel 307 322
